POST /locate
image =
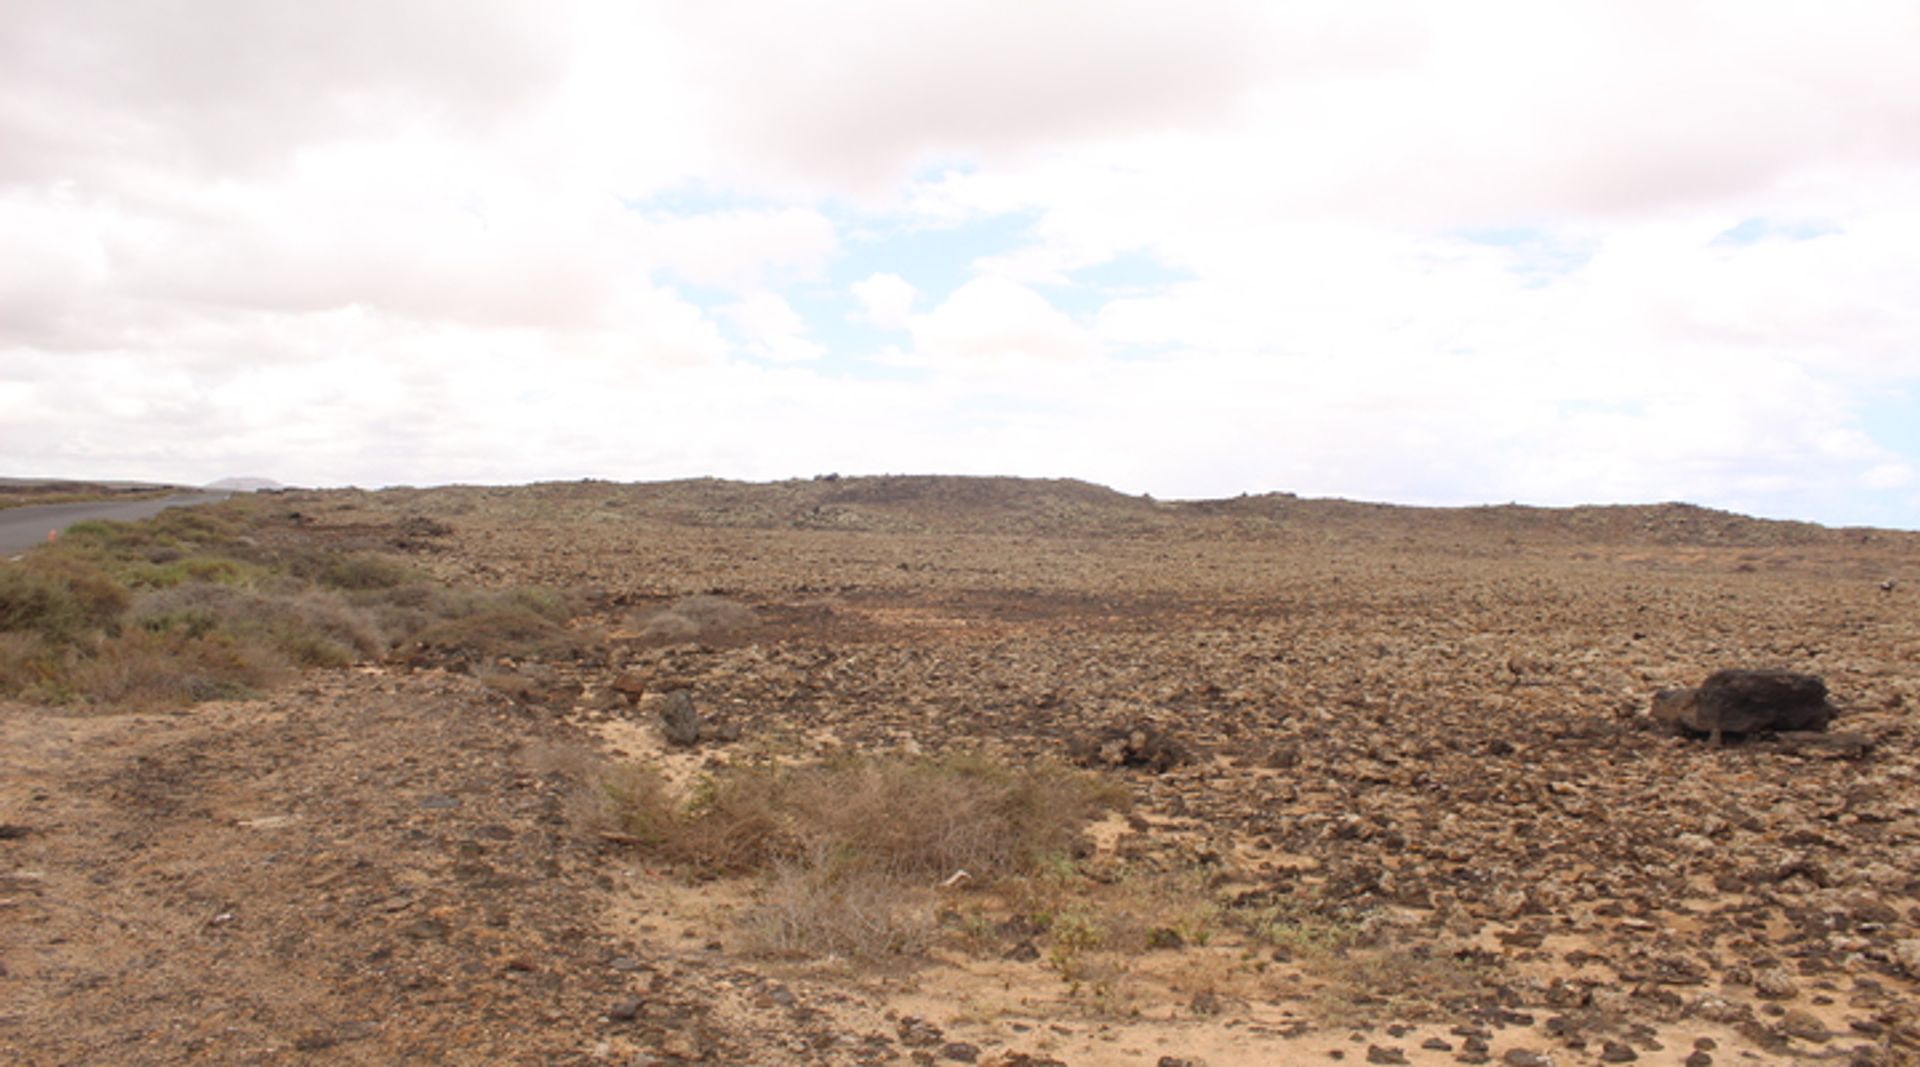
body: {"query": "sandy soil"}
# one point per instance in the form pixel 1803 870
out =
pixel 1426 727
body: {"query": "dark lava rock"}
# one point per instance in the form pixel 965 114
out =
pixel 679 720
pixel 1746 702
pixel 1133 746
pixel 916 1032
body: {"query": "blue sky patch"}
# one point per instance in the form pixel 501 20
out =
pixel 1754 230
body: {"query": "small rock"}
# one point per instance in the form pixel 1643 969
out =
pixel 630 686
pixel 1139 746
pixel 916 1032
pixel 679 719
pixel 1806 1026
pixel 1775 983
pixel 1906 956
pixel 1376 1054
pixel 1205 1003
pixel 1618 1052
pixel 960 1052
pixel 1522 1057
pixel 625 1009
pixel 1699 1059
pixel 1435 1044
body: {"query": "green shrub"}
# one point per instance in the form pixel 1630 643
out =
pixel 509 631
pixel 59 599
pixel 364 570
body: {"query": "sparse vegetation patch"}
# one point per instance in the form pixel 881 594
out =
pixel 223 601
pixel 850 851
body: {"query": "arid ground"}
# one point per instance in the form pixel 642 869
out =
pixel 1382 789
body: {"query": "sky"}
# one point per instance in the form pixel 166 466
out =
pixel 1429 253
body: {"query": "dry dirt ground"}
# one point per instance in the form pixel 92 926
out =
pixel 1424 818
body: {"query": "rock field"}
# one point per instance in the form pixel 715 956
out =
pixel 1415 745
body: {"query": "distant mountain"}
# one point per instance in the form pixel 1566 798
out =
pixel 244 485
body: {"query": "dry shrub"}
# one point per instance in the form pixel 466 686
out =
pixel 144 669
pixel 692 618
pixel 1397 980
pixel 60 599
pixel 851 848
pixel 905 818
pixel 805 912
pixel 364 570
pixel 309 629
pixel 30 665
pixel 235 610
pixel 500 632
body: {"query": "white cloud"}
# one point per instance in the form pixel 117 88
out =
pixel 886 300
pixel 1438 253
pixel 741 249
pixel 993 323
pixel 772 329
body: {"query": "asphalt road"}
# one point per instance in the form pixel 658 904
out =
pixel 22 528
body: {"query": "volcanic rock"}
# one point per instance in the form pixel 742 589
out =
pixel 679 719
pixel 1131 746
pixel 1746 702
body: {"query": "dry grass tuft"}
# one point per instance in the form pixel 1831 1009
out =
pixel 850 850
pixel 697 617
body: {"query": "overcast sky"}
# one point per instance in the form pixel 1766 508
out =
pixel 1453 252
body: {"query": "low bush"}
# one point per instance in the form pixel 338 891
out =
pixel 850 849
pixel 58 599
pixel 191 605
pixel 696 617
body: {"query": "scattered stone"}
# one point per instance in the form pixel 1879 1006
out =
pixel 1774 983
pixel 1816 745
pixel 1618 1052
pixel 960 1052
pixel 679 719
pixel 1746 702
pixel 1376 1054
pixel 1806 1026
pixel 1522 1057
pixel 625 1009
pixel 1206 1002
pixel 916 1032
pixel 1139 746
pixel 1906 956
pixel 630 686
pixel 1699 1059
pixel 1436 1044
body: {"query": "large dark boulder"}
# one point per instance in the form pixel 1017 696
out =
pixel 1747 702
